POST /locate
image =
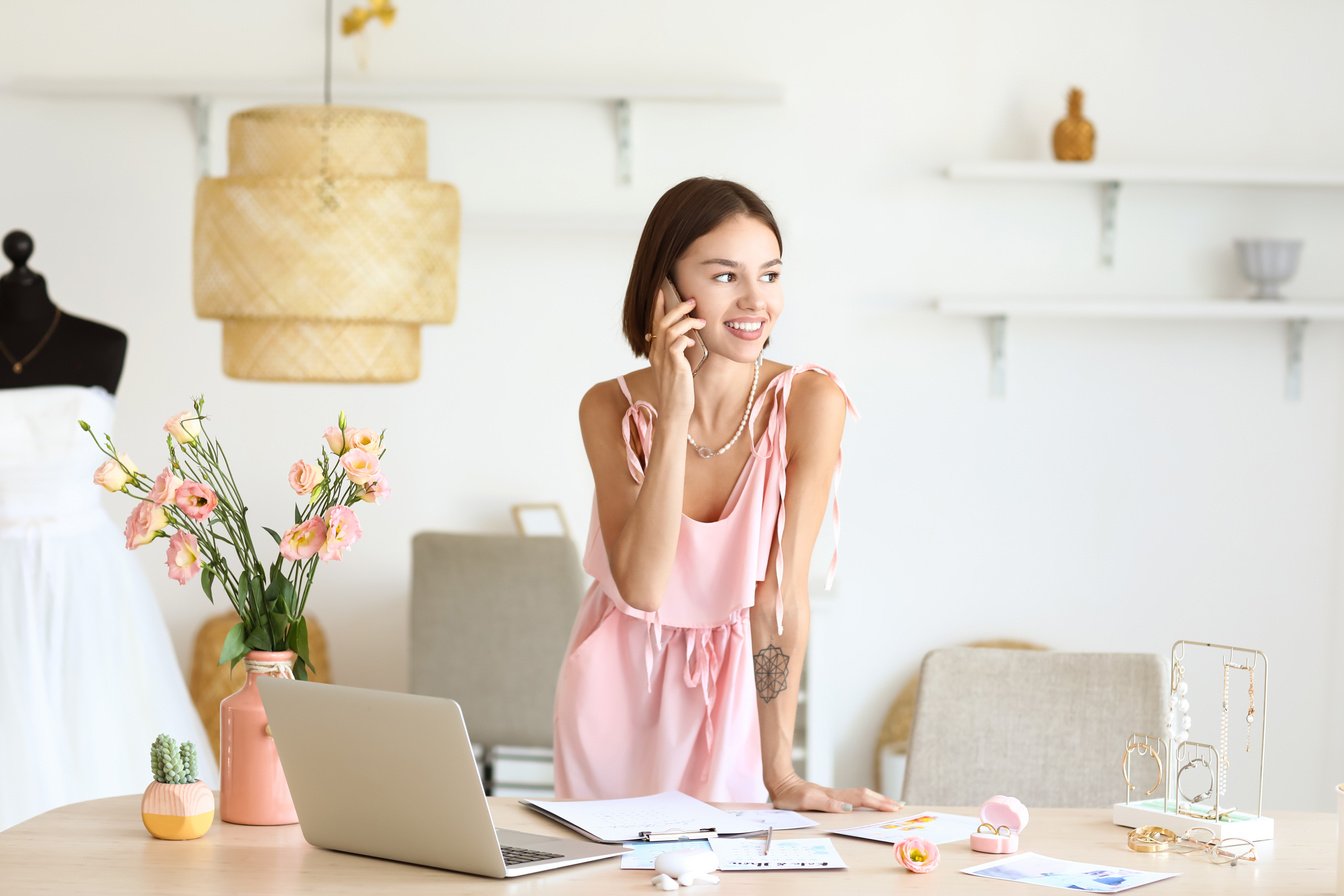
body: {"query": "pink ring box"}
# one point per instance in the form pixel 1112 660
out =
pixel 1001 812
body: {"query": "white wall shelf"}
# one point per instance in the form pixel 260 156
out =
pixel 997 311
pixel 1111 176
pixel 201 95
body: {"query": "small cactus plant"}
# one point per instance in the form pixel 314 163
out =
pixel 172 764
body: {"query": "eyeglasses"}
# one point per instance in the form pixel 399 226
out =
pixel 1219 850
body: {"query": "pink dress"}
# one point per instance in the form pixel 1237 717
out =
pixel 666 700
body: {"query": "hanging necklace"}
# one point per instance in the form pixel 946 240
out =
pixel 704 450
pixel 16 365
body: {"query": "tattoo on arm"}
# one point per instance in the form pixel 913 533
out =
pixel 772 672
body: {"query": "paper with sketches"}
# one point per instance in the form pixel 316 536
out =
pixel 936 828
pixel 1030 868
pixel 785 855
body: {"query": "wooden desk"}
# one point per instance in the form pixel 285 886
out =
pixel 101 847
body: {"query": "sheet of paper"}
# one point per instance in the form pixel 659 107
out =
pixel 1030 868
pixel 779 819
pixel 671 812
pixel 644 853
pixel 936 828
pixel 785 855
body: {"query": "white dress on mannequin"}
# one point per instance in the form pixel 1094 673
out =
pixel 88 676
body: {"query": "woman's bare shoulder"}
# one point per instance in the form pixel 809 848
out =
pixel 605 400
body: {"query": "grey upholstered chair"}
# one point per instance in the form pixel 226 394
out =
pixel 490 618
pixel 1048 728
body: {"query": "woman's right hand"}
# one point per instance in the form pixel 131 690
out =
pixel 667 356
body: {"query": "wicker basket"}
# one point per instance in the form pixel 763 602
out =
pixel 325 248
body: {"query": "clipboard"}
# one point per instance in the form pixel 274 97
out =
pixel 662 817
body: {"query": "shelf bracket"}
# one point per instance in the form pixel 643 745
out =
pixel 1297 331
pixel 1110 205
pixel 624 155
pixel 200 112
pixel 998 368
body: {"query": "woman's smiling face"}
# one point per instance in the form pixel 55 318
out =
pixel 733 273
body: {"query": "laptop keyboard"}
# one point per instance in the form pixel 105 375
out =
pixel 516 855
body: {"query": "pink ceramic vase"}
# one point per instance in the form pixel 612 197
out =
pixel 252 786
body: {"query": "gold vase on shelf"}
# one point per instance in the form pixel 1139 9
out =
pixel 1075 137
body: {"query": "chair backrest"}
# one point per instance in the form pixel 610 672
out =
pixel 490 618
pixel 1048 728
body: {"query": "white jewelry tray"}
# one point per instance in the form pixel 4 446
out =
pixel 1138 814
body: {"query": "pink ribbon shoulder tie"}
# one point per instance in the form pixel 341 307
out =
pixel 778 444
pixel 638 417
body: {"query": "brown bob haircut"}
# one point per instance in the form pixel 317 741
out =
pixel 685 213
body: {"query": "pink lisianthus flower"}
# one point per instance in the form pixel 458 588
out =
pixel 335 440
pixel 342 532
pixel 112 475
pixel 917 854
pixel 184 557
pixel 364 440
pixel 195 500
pixel 303 540
pixel 304 477
pixel 165 488
pixel 183 427
pixel 376 490
pixel 360 466
pixel 146 523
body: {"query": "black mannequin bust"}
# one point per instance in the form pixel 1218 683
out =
pixel 44 346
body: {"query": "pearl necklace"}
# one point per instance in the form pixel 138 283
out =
pixel 705 451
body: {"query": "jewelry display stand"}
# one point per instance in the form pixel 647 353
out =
pixel 1198 801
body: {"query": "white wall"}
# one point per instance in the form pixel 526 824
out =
pixel 1143 481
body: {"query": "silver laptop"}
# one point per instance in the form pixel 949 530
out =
pixel 393 776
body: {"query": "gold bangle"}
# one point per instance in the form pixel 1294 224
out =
pixel 1151 838
pixel 1143 749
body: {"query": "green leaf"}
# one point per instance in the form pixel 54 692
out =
pixel 207 581
pixel 274 534
pixel 288 598
pixel 235 646
pixel 300 669
pixel 298 640
pixel 259 640
pixel 298 518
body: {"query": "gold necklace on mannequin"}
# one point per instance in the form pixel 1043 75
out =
pixel 17 364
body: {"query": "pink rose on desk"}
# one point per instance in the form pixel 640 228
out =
pixel 304 540
pixel 184 557
pixel 342 532
pixel 112 475
pixel 165 488
pixel 184 427
pixel 146 522
pixel 195 500
pixel 361 467
pixel 304 477
pixel 917 854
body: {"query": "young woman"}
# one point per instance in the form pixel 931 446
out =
pixel 712 467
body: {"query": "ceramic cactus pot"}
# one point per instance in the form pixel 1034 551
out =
pixel 177 811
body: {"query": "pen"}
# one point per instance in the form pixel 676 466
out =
pixel 769 836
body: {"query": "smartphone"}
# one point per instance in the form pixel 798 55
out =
pixel 671 298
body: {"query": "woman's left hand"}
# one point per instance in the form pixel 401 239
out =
pixel 804 796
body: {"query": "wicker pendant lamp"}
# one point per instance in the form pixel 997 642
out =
pixel 325 248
